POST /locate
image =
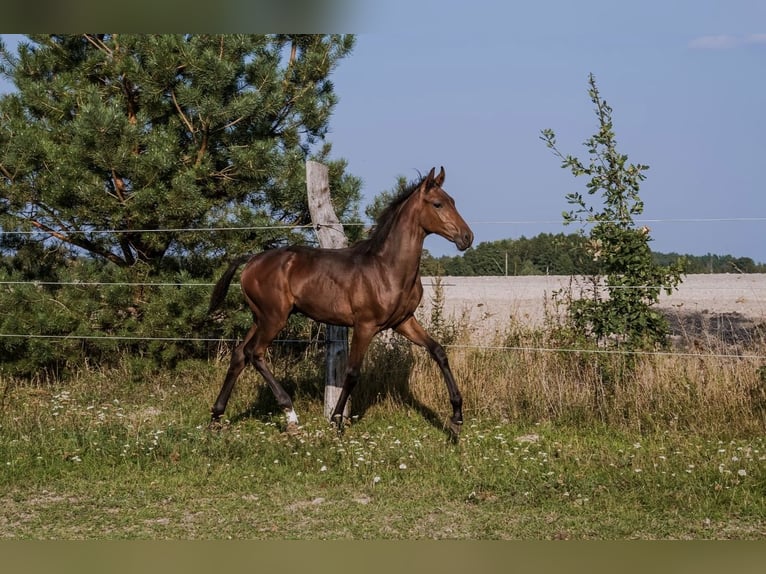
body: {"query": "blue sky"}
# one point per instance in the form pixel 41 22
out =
pixel 470 85
pixel 471 88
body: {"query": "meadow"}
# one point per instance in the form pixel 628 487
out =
pixel 555 445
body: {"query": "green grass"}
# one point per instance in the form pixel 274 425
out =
pixel 111 455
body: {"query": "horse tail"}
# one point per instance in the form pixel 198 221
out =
pixel 221 288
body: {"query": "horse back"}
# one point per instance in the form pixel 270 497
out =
pixel 336 286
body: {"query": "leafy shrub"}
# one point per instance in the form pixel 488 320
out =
pixel 618 306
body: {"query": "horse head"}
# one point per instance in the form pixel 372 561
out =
pixel 438 213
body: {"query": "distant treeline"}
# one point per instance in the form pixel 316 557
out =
pixel 560 254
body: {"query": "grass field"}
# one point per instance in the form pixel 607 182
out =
pixel 548 451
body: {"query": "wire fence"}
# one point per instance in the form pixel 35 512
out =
pixel 283 227
pixel 505 348
pixel 465 347
pixel 442 284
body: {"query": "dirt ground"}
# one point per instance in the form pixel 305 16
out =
pixel 725 303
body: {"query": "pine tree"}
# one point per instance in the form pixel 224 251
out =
pixel 146 134
pixel 118 153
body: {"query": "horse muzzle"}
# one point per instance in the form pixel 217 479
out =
pixel 463 239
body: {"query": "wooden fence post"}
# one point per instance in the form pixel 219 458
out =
pixel 330 233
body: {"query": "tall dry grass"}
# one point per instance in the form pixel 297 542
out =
pixel 705 384
pixel 711 382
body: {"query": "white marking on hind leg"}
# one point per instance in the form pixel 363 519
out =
pixel 292 418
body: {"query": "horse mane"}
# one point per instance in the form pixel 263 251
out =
pixel 385 221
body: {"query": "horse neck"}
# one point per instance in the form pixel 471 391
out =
pixel 404 244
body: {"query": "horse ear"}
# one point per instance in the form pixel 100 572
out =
pixel 430 177
pixel 428 181
pixel 440 178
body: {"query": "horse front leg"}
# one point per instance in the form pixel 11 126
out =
pixel 415 332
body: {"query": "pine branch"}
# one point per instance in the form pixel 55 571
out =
pixel 79 242
pixel 98 44
pixel 203 147
pixel 186 121
pixel 5 172
pixel 119 187
pixel 127 250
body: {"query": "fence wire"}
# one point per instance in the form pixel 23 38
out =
pixel 367 224
pixel 499 348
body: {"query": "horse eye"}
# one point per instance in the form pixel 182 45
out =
pixel 437 205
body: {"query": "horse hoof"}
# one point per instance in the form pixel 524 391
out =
pixel 337 423
pixel 216 424
pixel 293 429
pixel 454 429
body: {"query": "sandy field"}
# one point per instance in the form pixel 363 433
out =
pixel 488 303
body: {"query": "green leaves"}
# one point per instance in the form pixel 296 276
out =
pixel 124 151
pixel 631 279
pixel 147 132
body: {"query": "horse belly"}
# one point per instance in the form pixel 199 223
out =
pixel 325 301
pixel 400 312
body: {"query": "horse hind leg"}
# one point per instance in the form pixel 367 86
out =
pixel 252 350
pixel 237 364
pixel 283 398
pixel 255 351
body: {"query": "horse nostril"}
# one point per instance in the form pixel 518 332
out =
pixel 464 240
